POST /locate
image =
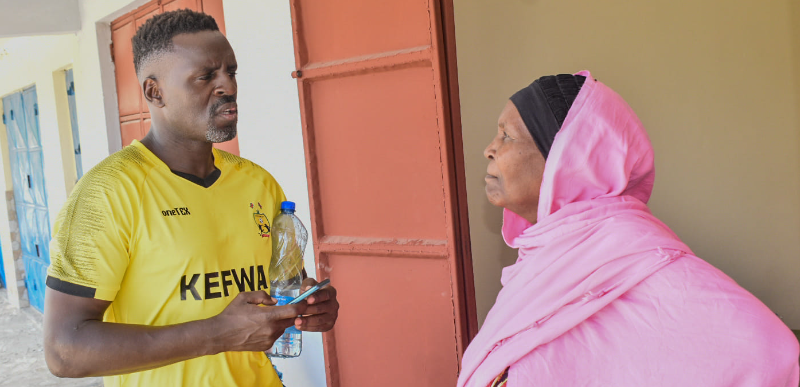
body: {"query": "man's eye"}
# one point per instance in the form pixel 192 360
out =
pixel 205 77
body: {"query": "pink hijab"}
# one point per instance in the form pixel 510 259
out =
pixel 594 239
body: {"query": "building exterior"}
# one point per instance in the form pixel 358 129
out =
pixel 718 91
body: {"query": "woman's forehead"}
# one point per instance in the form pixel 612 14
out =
pixel 510 119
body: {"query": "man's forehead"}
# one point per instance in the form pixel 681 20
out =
pixel 201 49
pixel 198 39
pixel 205 43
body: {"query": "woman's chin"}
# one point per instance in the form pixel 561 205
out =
pixel 494 197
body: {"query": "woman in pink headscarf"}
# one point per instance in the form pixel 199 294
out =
pixel 603 293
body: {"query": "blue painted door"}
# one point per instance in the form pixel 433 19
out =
pixel 2 270
pixel 73 118
pixel 21 113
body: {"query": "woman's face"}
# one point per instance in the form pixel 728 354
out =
pixel 516 166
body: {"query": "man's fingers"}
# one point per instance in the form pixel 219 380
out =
pixel 314 320
pixel 257 297
pixel 270 302
pixel 315 323
pixel 285 323
pixel 308 283
pixel 324 294
pixel 321 295
pixel 288 311
pixel 321 308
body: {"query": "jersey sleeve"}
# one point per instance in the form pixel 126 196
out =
pixel 90 245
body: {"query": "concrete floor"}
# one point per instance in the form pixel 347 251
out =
pixel 21 354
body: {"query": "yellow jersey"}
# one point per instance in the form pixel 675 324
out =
pixel 166 250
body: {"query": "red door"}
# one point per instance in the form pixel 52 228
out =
pixel 133 114
pixel 378 95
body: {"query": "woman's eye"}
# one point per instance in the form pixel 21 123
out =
pixel 232 73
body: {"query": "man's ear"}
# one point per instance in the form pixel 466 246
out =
pixel 152 93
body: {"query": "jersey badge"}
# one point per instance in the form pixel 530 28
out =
pixel 261 221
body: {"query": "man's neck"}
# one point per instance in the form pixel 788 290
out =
pixel 180 154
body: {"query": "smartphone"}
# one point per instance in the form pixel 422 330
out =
pixel 309 292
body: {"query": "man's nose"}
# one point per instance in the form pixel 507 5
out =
pixel 227 86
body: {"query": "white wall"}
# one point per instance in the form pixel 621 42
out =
pixel 715 84
pixel 38 17
pixel 270 133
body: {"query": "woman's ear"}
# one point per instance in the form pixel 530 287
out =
pixel 152 93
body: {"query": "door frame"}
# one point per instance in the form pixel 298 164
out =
pixel 459 186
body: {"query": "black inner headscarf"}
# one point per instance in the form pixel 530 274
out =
pixel 544 104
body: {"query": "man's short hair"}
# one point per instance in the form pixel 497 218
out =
pixel 155 36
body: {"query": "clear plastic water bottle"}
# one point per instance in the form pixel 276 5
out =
pixel 289 238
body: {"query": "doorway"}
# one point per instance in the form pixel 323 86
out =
pixel 21 116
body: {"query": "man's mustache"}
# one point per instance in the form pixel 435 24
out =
pixel 222 101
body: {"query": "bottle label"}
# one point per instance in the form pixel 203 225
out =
pixel 283 300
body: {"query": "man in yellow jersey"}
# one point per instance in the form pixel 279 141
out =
pixel 159 271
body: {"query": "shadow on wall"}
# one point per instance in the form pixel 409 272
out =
pixel 490 253
pixel 493 220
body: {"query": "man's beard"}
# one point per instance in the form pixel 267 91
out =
pixel 217 135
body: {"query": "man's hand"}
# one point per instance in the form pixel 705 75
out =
pixel 77 343
pixel 251 322
pixel 322 311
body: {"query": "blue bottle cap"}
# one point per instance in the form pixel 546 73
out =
pixel 287 205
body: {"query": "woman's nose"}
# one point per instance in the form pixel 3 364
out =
pixel 489 151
